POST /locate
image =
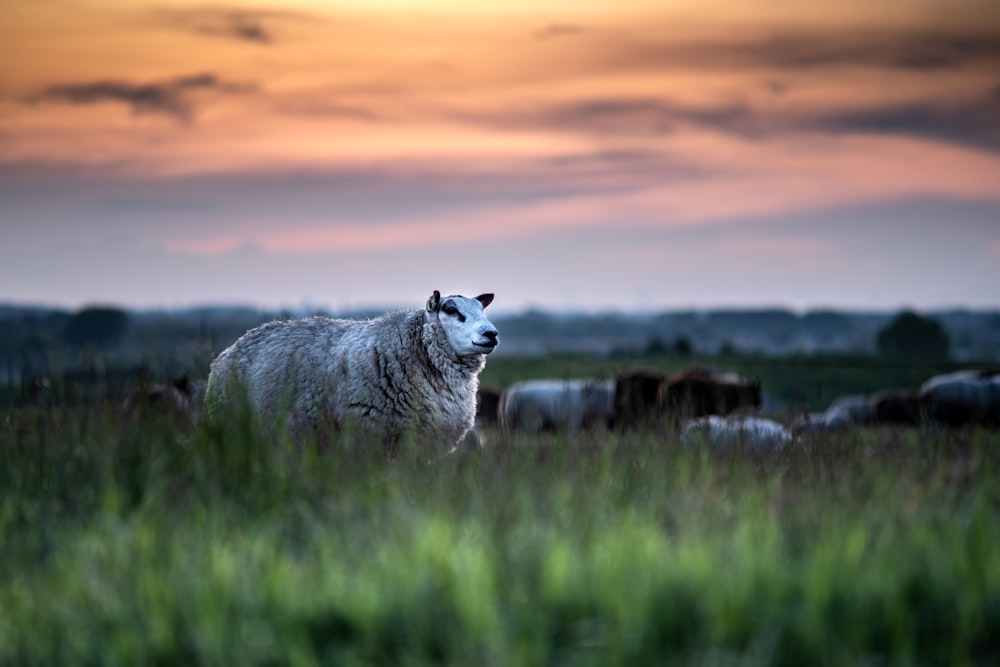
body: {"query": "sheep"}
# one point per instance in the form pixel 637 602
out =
pixel 636 404
pixel 174 400
pixel 486 420
pixel 963 397
pixel 534 406
pixel 405 374
pixel 487 406
pixel 693 393
pixel 750 432
pixel 897 407
pixel 833 420
pixel 856 409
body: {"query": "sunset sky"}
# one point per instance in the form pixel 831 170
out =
pixel 648 154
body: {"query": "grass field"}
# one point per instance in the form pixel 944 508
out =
pixel 145 545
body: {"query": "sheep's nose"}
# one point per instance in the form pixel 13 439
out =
pixel 491 335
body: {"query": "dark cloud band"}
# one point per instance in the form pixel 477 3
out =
pixel 170 98
pixel 253 26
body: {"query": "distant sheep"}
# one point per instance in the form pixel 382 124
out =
pixel 535 406
pixel 843 414
pixel 855 408
pixel 637 399
pixel 735 431
pixel 963 397
pixel 174 400
pixel 897 407
pixel 487 419
pixel 826 421
pixel 487 407
pixel 411 373
pixel 695 393
pixel 889 407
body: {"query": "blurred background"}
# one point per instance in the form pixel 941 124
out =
pixel 750 177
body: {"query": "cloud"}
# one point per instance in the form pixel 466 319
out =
pixel 806 50
pixel 972 123
pixel 910 52
pixel 239 24
pixel 969 122
pixel 627 116
pixel 170 98
pixel 313 106
pixel 559 30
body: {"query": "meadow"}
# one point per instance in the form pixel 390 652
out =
pixel 139 543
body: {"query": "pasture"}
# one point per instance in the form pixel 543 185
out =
pixel 144 543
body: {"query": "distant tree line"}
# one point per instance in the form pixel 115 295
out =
pixel 39 341
pixel 912 336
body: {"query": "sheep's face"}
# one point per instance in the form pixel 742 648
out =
pixel 465 325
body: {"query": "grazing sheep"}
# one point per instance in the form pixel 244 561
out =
pixel 487 407
pixel 963 397
pixel 174 400
pixel 534 406
pixel 843 414
pixel 897 407
pixel 828 421
pixel 694 393
pixel 855 408
pixel 410 373
pixel 755 433
pixel 636 399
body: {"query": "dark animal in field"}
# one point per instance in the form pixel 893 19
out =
pixel 37 387
pixel 962 398
pixel 487 407
pixel 687 395
pixel 636 399
pixel 897 408
pixel 889 407
pixel 174 400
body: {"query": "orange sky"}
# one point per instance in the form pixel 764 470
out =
pixel 664 115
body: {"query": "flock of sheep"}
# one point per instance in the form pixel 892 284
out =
pixel 414 375
pixel 723 408
pixel 701 402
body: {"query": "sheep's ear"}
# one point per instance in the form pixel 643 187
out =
pixel 434 303
pixel 485 299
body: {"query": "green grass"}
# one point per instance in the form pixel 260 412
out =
pixel 146 545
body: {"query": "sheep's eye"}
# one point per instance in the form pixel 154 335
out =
pixel 449 309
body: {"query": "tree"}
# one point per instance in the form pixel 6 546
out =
pixel 913 336
pixel 655 347
pixel 100 326
pixel 683 347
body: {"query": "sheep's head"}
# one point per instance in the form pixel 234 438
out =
pixel 465 325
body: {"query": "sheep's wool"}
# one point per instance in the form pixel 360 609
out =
pixel 395 376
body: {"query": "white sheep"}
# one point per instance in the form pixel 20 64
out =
pixel 534 406
pixel 748 431
pixel 410 373
pixel 831 420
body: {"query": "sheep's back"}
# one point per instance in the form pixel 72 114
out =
pixel 273 364
pixel 376 374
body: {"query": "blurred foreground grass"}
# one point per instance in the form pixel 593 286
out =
pixel 143 544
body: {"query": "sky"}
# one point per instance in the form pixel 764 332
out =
pixel 648 155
